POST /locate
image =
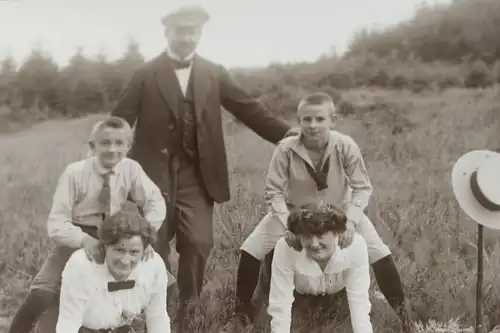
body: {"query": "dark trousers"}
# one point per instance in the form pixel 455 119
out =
pixel 37 310
pixel 190 220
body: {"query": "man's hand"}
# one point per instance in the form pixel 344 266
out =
pixel 293 241
pixel 294 131
pixel 346 238
pixel 91 247
pixel 148 253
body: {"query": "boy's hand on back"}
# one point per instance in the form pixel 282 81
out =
pixel 347 237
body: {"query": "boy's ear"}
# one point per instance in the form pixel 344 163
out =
pixel 90 152
pixel 129 146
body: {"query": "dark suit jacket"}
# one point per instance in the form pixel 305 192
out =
pixel 149 102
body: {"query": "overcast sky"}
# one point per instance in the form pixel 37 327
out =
pixel 240 33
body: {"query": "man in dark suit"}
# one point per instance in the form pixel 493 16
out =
pixel 175 103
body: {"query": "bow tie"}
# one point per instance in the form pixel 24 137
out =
pixel 180 64
pixel 121 285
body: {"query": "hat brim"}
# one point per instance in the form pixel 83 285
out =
pixel 460 178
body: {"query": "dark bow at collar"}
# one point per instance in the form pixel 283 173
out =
pixel 180 64
pixel 121 285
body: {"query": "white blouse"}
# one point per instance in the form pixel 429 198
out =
pixel 348 268
pixel 85 299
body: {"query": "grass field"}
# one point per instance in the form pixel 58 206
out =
pixel 409 141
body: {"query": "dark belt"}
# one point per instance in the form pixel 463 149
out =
pixel 92 231
pixel 121 329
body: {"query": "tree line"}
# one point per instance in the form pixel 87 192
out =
pixel 85 85
pixel 442 46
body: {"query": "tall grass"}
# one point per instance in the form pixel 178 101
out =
pixel 409 141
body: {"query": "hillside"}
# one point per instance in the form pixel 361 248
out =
pixel 465 30
pixel 409 141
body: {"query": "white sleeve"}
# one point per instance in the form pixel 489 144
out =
pixel 358 285
pixel 157 319
pixel 276 184
pixel 59 224
pixel 74 293
pixel 359 181
pixel 282 286
pixel 148 196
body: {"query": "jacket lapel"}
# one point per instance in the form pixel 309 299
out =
pixel 201 76
pixel 168 84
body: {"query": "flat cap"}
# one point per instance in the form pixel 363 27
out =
pixel 186 16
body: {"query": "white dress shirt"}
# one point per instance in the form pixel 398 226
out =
pixel 182 74
pixel 76 198
pixel 86 302
pixel 348 268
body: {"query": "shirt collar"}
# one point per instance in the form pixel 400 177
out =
pixel 102 170
pixel 298 147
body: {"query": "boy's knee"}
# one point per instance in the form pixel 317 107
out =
pixel 256 250
pixel 260 244
pixel 43 297
pixel 378 251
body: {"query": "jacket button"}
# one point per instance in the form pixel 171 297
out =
pixel 164 151
pixel 171 127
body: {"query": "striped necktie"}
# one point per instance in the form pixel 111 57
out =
pixel 105 195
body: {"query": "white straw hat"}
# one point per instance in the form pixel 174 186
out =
pixel 476 186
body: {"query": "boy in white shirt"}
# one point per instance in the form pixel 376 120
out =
pixel 321 271
pixel 88 191
pixel 317 165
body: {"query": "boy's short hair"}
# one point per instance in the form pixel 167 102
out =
pixel 317 98
pixel 316 219
pixel 110 122
pixel 125 223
